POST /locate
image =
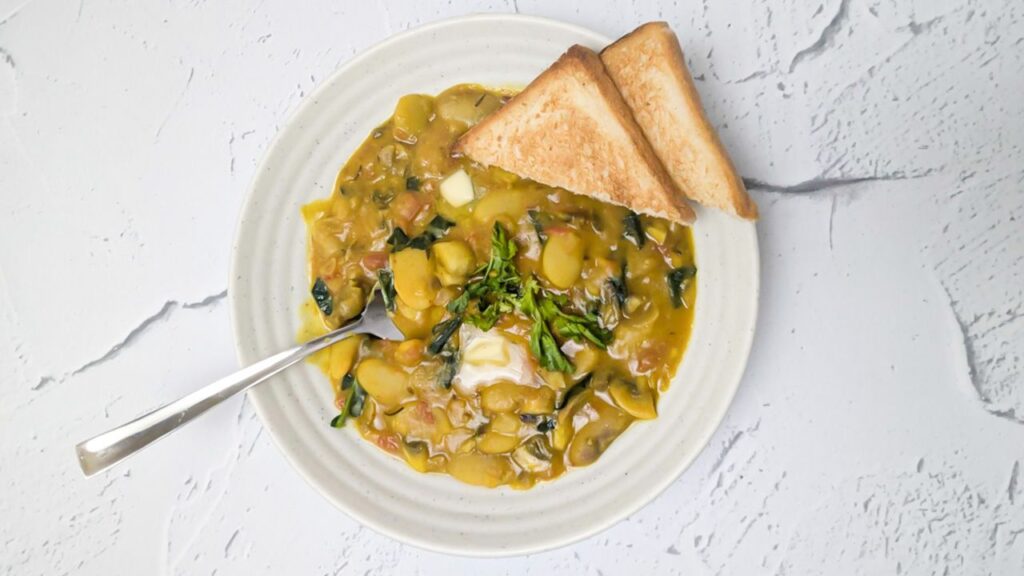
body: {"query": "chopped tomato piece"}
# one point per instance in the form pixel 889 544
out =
pixel 373 261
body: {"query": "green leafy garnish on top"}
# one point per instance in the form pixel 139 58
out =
pixel 549 319
pixel 497 288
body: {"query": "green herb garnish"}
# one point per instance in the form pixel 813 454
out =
pixel 497 288
pixel 322 296
pixel 486 319
pixel 578 327
pixel 354 401
pixel 358 399
pixel 386 278
pixel 634 229
pixel 544 309
pixel 544 346
pixel 678 279
pixel 412 183
pixel 443 332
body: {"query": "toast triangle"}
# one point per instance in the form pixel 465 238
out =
pixel 570 128
pixel 648 68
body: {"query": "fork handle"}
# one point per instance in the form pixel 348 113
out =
pixel 101 452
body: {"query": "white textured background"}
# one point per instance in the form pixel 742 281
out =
pixel 880 425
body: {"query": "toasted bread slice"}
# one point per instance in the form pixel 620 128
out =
pixel 648 68
pixel 570 128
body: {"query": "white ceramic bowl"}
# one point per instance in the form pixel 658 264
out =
pixel 268 285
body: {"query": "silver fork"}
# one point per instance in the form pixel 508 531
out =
pixel 101 452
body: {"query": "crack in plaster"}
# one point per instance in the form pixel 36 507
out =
pixel 10 16
pixel 6 57
pixel 970 355
pixel 916 29
pixel 820 183
pixel 730 444
pixel 218 483
pixel 177 101
pixel 831 222
pixel 1011 486
pixel 9 98
pixel 826 39
pixel 134 335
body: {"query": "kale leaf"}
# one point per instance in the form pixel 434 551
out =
pixel 436 229
pixel 322 296
pixel 634 229
pixel 386 278
pixel 354 401
pixel 678 279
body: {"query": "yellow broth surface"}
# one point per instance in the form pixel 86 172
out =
pixel 538 324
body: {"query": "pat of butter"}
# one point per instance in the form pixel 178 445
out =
pixel 489 357
pixel 487 349
pixel 457 189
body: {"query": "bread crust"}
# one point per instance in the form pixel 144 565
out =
pixel 572 129
pixel 649 70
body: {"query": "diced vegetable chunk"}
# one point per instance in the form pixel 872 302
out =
pixel 457 189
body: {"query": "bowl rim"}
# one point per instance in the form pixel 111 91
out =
pixel 650 492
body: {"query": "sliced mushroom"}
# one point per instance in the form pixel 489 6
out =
pixel 595 437
pixel 564 429
pixel 634 398
pixel 534 455
pixel 416 454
